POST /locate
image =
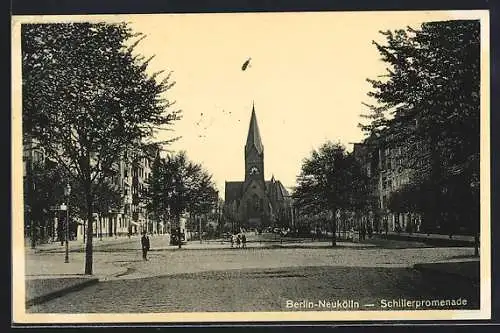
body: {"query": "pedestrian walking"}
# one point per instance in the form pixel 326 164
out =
pixel 362 232
pixel 232 241
pixel 244 240
pixel 238 241
pixel 145 246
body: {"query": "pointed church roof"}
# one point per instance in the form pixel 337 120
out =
pixel 233 191
pixel 253 138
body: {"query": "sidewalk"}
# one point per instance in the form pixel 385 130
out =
pixel 43 290
pixel 466 238
pixel 433 239
pixel 47 276
pixel 467 269
pixel 52 266
pixel 79 246
pixel 162 244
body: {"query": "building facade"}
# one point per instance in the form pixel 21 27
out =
pixel 131 179
pixel 132 173
pixel 390 166
pixel 255 202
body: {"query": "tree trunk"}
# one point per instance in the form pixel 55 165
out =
pixel 33 230
pixel 100 227
pixel 89 198
pixel 30 197
pixel 110 225
pixel 433 214
pixel 178 230
pixel 90 227
pixel 334 228
pixel 476 245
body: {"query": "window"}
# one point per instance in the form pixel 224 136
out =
pixel 37 156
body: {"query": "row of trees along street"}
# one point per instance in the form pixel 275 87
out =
pixel 179 185
pixel 429 97
pixel 331 180
pixel 86 97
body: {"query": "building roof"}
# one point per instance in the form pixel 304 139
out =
pixel 281 191
pixel 233 191
pixel 253 137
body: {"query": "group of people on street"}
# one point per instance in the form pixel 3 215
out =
pixel 240 240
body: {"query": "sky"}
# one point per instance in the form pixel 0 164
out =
pixel 307 80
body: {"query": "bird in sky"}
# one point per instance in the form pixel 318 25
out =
pixel 246 64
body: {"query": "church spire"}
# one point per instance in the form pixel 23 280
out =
pixel 253 138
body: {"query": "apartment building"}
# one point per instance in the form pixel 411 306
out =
pixel 390 166
pixel 133 173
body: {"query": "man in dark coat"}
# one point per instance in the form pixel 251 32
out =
pixel 145 246
pixel 243 240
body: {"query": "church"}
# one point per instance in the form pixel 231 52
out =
pixel 255 202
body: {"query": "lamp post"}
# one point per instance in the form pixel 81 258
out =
pixel 67 192
pixel 474 185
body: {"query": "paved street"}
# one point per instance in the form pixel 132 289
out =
pixel 258 279
pixel 260 290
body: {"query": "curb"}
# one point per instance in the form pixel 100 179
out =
pixel 442 242
pixel 266 246
pixel 424 268
pixel 61 292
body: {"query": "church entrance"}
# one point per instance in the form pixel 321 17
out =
pixel 254 211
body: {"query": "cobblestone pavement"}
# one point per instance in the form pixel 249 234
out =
pixel 180 261
pixel 268 290
pixel 123 261
pixel 252 279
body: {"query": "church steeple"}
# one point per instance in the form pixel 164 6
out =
pixel 253 138
pixel 254 153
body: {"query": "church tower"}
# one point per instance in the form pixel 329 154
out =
pixel 254 202
pixel 254 197
pixel 254 153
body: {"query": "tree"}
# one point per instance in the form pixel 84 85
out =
pixel 153 193
pixel 87 97
pixel 430 96
pixel 360 198
pixel 325 183
pixel 108 198
pixel 179 185
pixel 47 192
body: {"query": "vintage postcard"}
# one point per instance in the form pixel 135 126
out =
pixel 242 167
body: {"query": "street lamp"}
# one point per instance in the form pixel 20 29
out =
pixel 474 185
pixel 67 192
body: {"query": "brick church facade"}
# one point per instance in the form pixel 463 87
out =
pixel 255 202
